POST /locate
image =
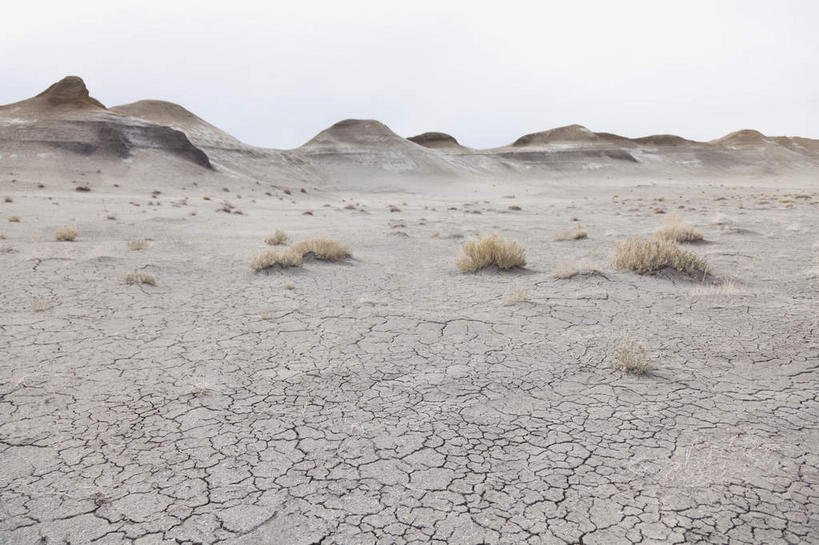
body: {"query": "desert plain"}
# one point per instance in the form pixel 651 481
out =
pixel 389 397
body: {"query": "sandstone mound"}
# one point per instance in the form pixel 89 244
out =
pixel 173 115
pixel 663 140
pixel 436 140
pixel 743 139
pixel 568 134
pixel 67 95
pixel 356 132
pixel 365 147
pixel 64 118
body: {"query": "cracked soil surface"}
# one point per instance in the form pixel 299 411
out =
pixel 389 399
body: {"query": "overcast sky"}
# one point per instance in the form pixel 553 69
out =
pixel 274 74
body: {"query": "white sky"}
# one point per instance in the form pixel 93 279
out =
pixel 276 73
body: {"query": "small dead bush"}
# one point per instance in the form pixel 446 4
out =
pixel 65 234
pixel 14 219
pixel 575 234
pixel 277 238
pixel 323 249
pixel 566 270
pixel 678 230
pixel 490 250
pixel 518 296
pixel 140 277
pixel 630 356
pixel 726 287
pixel 40 304
pixel 287 257
pixel 652 255
pixel 136 245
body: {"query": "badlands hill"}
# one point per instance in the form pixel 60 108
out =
pixel 65 126
pixel 437 140
pixel 65 119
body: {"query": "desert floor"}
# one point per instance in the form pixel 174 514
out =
pixel 391 399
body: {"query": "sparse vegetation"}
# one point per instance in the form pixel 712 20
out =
pixel 651 255
pixel 65 234
pixel 726 287
pixel 490 250
pixel 279 237
pixel 630 356
pixel 518 296
pixel 8 199
pixel 574 234
pixel 40 304
pixel 678 230
pixel 322 249
pixel 140 277
pixel 136 245
pixel 14 219
pixel 566 270
pixel 720 220
pixel 287 257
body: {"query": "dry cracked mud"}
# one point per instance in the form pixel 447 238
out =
pixel 389 399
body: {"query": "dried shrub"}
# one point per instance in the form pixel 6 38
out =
pixel 566 270
pixel 490 250
pixel 652 255
pixel 678 230
pixel 518 296
pixel 40 304
pixel 574 234
pixel 65 234
pixel 277 238
pixel 14 219
pixel 322 249
pixel 287 257
pixel 630 356
pixel 136 245
pixel 140 277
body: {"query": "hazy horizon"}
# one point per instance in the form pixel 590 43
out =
pixel 275 76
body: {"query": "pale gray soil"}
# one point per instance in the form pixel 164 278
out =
pixel 389 399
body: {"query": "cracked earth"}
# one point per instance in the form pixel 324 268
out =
pixel 390 399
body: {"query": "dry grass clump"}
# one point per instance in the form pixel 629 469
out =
pixel 279 237
pixel 574 234
pixel 490 250
pixel 140 277
pixel 630 356
pixel 566 270
pixel 678 230
pixel 727 287
pixel 66 234
pixel 652 255
pixel 323 249
pixel 518 296
pixel 40 304
pixel 287 257
pixel 14 219
pixel 136 245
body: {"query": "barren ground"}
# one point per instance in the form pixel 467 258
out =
pixel 389 399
